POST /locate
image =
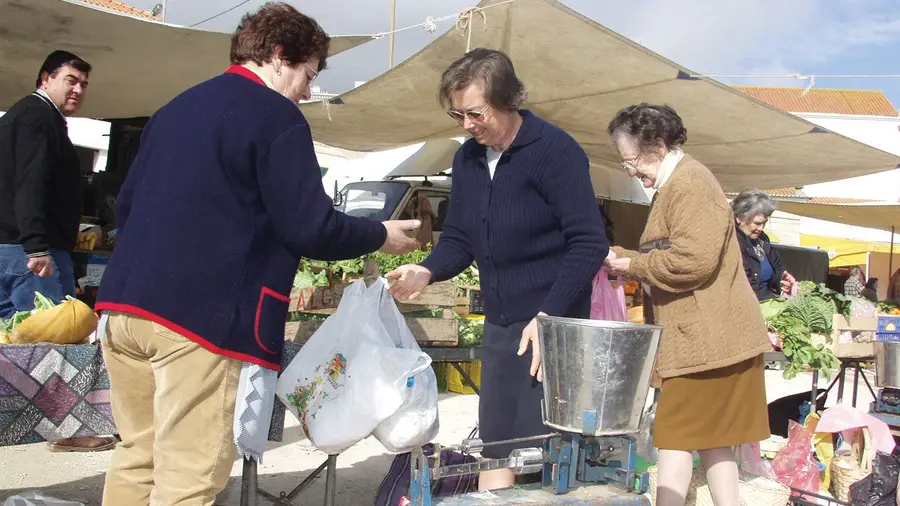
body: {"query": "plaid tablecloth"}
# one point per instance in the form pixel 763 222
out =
pixel 50 392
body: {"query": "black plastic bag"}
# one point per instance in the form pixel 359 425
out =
pixel 880 487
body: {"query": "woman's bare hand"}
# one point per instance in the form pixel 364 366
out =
pixel 408 281
pixel 618 266
pixel 530 335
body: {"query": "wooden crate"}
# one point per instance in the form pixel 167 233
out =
pixel 853 350
pixel 325 299
pixel 429 332
pixel 437 331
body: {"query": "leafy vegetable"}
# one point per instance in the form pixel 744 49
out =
pixel 805 314
pixel 306 278
pixel 842 304
pixel 471 333
pixel 40 304
pixel 887 307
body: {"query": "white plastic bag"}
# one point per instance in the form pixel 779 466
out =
pixel 416 421
pixel 350 375
pixel 37 499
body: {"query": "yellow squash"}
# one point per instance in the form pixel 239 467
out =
pixel 68 323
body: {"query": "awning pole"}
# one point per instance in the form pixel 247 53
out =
pixel 891 262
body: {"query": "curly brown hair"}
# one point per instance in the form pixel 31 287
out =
pixel 279 25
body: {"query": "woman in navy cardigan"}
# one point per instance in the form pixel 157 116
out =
pixel 522 206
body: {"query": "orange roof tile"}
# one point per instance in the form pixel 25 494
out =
pixel 856 102
pixel 840 201
pixel 113 5
pixel 780 192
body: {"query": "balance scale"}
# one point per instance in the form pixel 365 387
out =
pixel 596 382
pixel 886 406
pixel 566 461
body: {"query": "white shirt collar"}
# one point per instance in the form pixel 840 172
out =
pixel 667 167
pixel 49 100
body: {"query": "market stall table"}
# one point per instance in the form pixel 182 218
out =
pixel 50 392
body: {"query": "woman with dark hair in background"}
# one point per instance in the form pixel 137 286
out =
pixel 222 201
pixel 768 278
pixel 870 292
pixel 710 361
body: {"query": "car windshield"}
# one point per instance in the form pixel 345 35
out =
pixel 375 200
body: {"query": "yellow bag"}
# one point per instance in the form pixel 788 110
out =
pixel 68 323
pixel 824 445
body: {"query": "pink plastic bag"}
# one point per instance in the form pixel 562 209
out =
pixel 794 465
pixel 608 303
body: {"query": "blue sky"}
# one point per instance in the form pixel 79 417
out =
pixel 707 36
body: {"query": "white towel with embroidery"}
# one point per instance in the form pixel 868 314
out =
pixel 253 410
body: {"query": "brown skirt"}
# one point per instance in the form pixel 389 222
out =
pixel 713 409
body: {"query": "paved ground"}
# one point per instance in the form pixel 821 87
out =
pixel 79 477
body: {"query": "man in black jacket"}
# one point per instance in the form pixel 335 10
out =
pixel 40 187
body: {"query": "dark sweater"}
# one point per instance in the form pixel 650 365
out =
pixel 40 178
pixel 223 199
pixel 753 266
pixel 535 230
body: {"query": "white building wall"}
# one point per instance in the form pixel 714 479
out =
pixel 90 134
pixel 877 131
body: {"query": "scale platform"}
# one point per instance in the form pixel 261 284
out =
pixel 588 495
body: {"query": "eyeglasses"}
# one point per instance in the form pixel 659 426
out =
pixel 631 165
pixel 314 73
pixel 472 115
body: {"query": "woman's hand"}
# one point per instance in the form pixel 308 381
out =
pixel 530 335
pixel 787 283
pixel 618 266
pixel 609 258
pixel 408 281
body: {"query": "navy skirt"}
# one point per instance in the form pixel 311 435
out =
pixel 509 406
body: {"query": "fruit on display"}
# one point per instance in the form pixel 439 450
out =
pixel 70 322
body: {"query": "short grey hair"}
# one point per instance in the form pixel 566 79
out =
pixel 752 202
pixel 502 89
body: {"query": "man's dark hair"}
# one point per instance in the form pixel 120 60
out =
pixel 279 25
pixel 59 59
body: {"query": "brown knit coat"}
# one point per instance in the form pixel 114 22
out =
pixel 700 293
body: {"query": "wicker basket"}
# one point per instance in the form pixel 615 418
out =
pixel 754 490
pixel 847 470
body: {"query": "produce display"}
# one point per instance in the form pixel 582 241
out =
pixel 70 322
pixel 796 319
pixel 315 273
pixel 888 307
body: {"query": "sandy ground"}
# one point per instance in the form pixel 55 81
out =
pixel 79 477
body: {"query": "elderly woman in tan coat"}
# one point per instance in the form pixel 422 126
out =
pixel 710 365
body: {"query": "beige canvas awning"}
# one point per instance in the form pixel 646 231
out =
pixel 883 216
pixel 139 65
pixel 579 74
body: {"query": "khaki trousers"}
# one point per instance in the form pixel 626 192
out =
pixel 173 404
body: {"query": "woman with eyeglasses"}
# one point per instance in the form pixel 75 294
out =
pixel 521 206
pixel 222 201
pixel 710 360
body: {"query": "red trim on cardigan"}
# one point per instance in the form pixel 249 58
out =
pixel 174 327
pixel 245 72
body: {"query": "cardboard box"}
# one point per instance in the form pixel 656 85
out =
pixel 888 330
pixel 95 268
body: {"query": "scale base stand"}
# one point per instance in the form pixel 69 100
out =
pixel 574 460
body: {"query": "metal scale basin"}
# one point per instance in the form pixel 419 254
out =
pixel 887 365
pixel 596 374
